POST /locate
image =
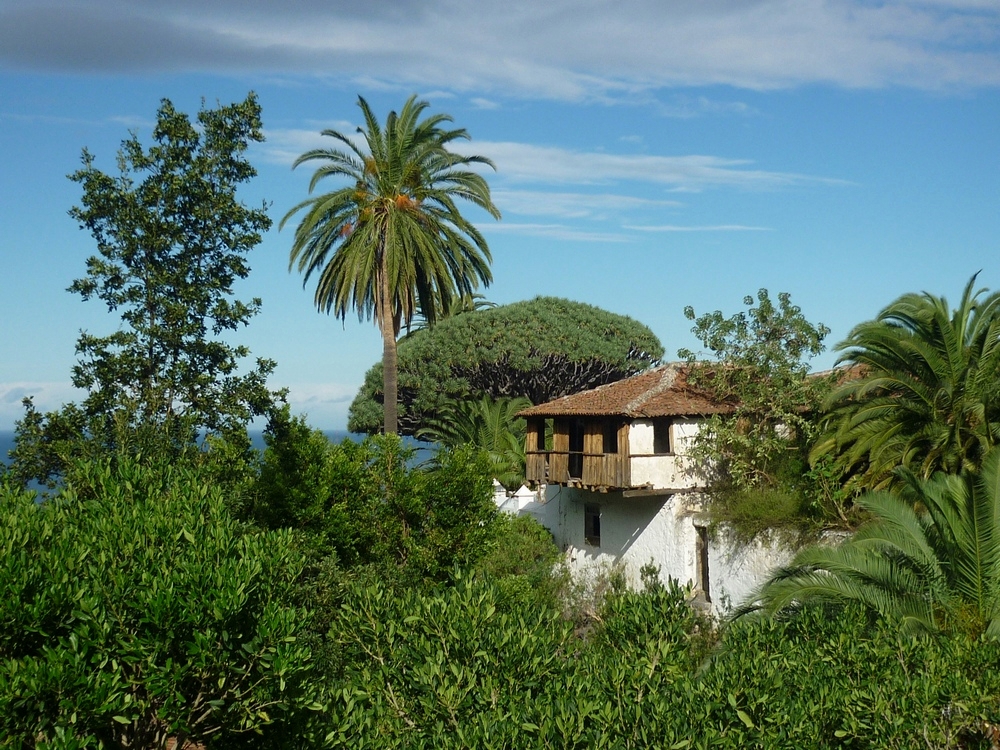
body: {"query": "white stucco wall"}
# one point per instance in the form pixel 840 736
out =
pixel 661 529
pixel 667 471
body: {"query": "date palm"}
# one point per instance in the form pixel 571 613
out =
pixel 391 242
pixel 489 425
pixel 929 559
pixel 928 392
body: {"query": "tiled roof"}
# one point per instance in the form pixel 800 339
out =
pixel 660 392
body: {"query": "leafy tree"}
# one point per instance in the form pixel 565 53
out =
pixel 172 240
pixel 391 242
pixel 487 425
pixel 929 561
pixel 137 609
pixel 926 393
pixel 537 349
pixel 759 367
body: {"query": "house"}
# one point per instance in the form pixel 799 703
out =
pixel 620 488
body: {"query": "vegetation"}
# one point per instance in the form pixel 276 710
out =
pixel 927 395
pixel 538 349
pixel 325 596
pixel 137 609
pixel 172 240
pixel 486 425
pixel 367 506
pixel 757 451
pixel 391 242
pixel 929 561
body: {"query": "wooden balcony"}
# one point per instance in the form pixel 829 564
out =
pixel 600 471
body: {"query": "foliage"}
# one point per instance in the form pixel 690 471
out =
pixel 756 450
pixel 487 425
pixel 929 561
pixel 172 241
pixel 137 609
pixel 537 349
pixel 522 558
pixel 465 667
pixel 927 392
pixel 392 241
pixel 366 504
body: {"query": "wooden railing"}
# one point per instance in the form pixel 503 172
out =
pixel 609 470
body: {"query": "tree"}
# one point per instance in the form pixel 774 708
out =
pixel 392 243
pixel 930 559
pixel 171 247
pixel 926 393
pixel 759 368
pixel 487 425
pixel 537 349
pixel 172 240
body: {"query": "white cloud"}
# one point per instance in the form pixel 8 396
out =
pixel 47 396
pixel 565 49
pixel 481 103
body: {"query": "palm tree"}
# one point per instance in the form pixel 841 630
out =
pixel 391 242
pixel 927 391
pixel 929 559
pixel 491 426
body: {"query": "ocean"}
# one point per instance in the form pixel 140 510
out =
pixel 256 437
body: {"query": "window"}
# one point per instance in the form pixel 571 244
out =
pixel 701 548
pixel 661 436
pixel 592 525
pixel 610 437
pixel 540 435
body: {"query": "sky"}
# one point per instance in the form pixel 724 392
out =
pixel 650 154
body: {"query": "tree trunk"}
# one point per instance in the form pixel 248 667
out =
pixel 389 368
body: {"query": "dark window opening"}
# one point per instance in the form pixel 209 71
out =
pixel 540 435
pixel 592 525
pixel 661 437
pixel 610 437
pixel 701 544
pixel 576 449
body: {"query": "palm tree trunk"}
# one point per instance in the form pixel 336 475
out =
pixel 389 366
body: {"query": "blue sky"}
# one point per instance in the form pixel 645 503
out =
pixel 651 154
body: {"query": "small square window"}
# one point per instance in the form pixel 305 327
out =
pixel 592 525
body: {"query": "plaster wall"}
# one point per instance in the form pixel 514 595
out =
pixel 669 470
pixel 661 529
pixel 737 570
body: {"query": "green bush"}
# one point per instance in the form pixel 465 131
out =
pixel 135 609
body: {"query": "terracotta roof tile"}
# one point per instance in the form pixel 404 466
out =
pixel 660 392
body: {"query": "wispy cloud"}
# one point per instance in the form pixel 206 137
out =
pixel 526 162
pixel 598 206
pixel 703 228
pixel 47 396
pixel 554 231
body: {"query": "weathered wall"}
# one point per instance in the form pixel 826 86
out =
pixel 661 529
pixel 667 471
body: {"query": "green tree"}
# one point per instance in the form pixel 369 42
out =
pixel 930 559
pixel 392 242
pixel 757 450
pixel 172 240
pixel 537 349
pixel 136 609
pixel 926 391
pixel 488 425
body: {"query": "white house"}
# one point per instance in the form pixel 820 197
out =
pixel 620 488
